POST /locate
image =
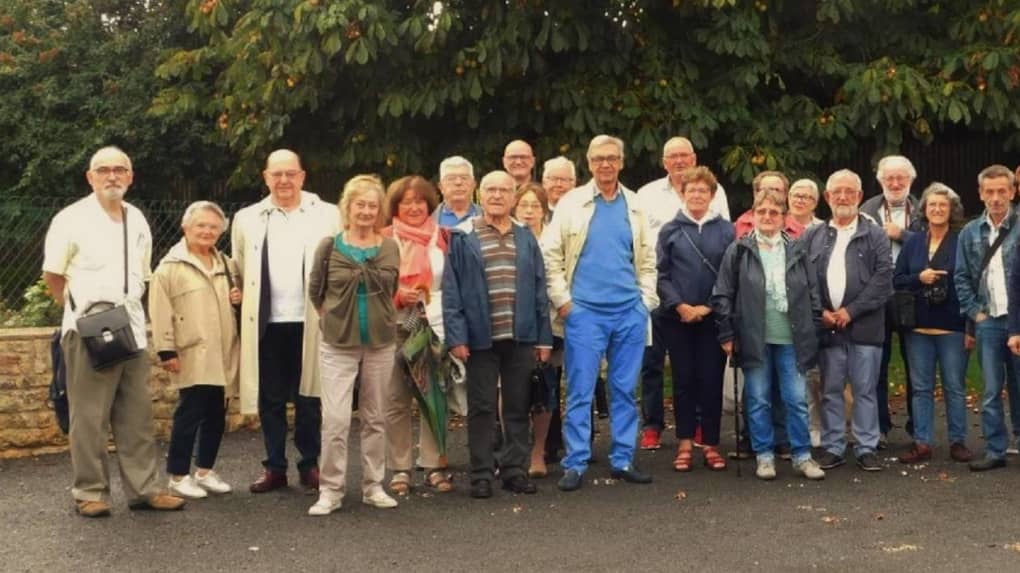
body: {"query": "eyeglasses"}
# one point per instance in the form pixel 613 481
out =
pixel 289 174
pixel 802 197
pixel 518 157
pixel 529 205
pixel 767 213
pixel 600 159
pixel 499 190
pixel 677 156
pixel 843 192
pixel 896 178
pixel 557 179
pixel 456 177
pixel 117 171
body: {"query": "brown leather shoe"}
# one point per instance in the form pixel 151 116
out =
pixel 310 479
pixel 159 502
pixel 918 453
pixel 960 453
pixel 268 481
pixel 92 508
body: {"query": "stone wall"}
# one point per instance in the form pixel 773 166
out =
pixel 27 424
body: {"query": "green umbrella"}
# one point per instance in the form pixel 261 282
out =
pixel 427 369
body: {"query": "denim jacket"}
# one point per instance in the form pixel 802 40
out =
pixel 466 316
pixel 971 289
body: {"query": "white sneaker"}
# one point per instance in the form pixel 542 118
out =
pixel 810 469
pixel 212 483
pixel 379 499
pixel 186 487
pixel 766 469
pixel 326 505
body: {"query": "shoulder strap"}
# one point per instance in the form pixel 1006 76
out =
pixel 226 270
pixel 704 259
pixel 991 250
pixel 123 220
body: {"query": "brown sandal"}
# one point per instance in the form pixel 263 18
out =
pixel 713 459
pixel 400 483
pixel 684 460
pixel 439 480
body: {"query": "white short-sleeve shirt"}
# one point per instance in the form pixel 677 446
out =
pixel 86 246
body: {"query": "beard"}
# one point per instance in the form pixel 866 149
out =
pixel 844 211
pixel 895 197
pixel 114 193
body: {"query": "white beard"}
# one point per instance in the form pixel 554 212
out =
pixel 114 193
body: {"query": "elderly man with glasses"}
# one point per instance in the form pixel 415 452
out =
pixel 457 184
pixel 600 263
pixel 519 161
pixel 558 177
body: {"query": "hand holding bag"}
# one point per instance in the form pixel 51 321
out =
pixel 107 334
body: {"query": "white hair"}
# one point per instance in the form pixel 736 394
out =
pixel 677 142
pixel 560 161
pixel 600 140
pixel 106 150
pixel 840 175
pixel 810 184
pixel 209 206
pixel 455 162
pixel 892 162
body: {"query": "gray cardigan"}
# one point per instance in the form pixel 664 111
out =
pixel 738 303
pixel 869 272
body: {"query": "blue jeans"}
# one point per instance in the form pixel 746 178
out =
pixel 998 366
pixel 760 383
pixel 857 364
pixel 948 350
pixel 589 335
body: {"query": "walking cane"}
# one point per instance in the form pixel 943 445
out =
pixel 736 403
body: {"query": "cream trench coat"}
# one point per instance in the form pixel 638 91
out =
pixel 248 234
pixel 564 237
pixel 192 316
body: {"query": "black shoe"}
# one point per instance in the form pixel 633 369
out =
pixel 986 463
pixel 784 452
pixel 829 460
pixel 868 462
pixel 571 481
pixel 481 489
pixel 631 474
pixel 520 484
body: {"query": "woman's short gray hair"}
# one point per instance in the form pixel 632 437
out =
pixel 197 206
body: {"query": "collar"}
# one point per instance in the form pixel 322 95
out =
pixel 708 216
pixel 473 209
pixel 266 205
pixel 851 228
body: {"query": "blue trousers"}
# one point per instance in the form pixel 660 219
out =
pixel 778 375
pixel 948 352
pixel 1000 368
pixel 589 335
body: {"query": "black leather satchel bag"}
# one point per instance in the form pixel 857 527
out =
pixel 904 309
pixel 107 333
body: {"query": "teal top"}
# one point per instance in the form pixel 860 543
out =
pixel 777 319
pixel 359 255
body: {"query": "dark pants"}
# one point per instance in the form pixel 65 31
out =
pixel 698 363
pixel 652 365
pixel 200 412
pixel 279 381
pixel 882 392
pixel 510 364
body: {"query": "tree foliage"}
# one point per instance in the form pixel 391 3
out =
pixel 393 86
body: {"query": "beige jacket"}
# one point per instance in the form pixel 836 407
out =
pixel 192 316
pixel 248 234
pixel 564 238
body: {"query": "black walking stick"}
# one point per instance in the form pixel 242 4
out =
pixel 736 401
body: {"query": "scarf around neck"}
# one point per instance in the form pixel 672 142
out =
pixel 415 266
pixel 774 266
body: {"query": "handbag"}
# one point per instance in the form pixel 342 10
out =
pixel 107 334
pixel 538 388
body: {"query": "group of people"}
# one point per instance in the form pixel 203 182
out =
pixel 546 278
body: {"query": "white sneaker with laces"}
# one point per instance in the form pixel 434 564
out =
pixel 186 487
pixel 766 469
pixel 326 505
pixel 379 499
pixel 810 469
pixel 212 483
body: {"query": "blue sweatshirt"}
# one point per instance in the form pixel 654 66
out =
pixel 607 255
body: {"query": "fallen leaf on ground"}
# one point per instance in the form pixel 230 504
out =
pixel 831 519
pixel 680 495
pixel 943 475
pixel 517 509
pixel 253 548
pixel 1012 547
pixel 900 548
pixel 878 516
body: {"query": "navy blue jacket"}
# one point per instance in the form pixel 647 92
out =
pixel 683 277
pixel 466 316
pixel 869 271
pixel 912 260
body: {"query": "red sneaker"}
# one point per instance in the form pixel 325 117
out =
pixel 650 439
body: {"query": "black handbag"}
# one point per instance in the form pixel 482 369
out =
pixel 537 387
pixel 107 334
pixel 58 384
pixel 904 309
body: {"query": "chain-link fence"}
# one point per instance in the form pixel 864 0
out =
pixel 24 222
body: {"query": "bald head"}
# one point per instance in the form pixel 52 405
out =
pixel 282 156
pixel 519 161
pixel 284 178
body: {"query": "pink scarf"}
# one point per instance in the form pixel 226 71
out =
pixel 415 267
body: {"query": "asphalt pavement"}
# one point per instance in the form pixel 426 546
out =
pixel 932 517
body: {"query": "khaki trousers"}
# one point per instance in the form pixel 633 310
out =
pixel 340 368
pixel 116 398
pixel 399 438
